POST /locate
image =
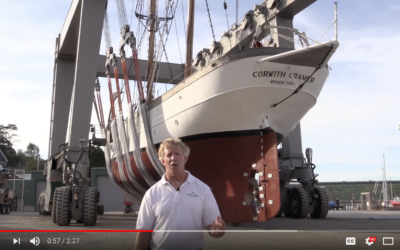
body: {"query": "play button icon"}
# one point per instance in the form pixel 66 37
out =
pixel 17 241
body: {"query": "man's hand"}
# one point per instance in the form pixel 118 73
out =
pixel 217 229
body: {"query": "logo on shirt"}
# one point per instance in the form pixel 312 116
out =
pixel 193 194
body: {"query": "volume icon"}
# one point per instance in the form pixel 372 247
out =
pixel 35 241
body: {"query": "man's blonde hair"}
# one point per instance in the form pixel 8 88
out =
pixel 173 142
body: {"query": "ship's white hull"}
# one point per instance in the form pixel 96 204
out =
pixel 237 96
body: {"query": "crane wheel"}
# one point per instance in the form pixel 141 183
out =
pixel 2 209
pixel 100 209
pixel 63 206
pixel 55 201
pixel 298 203
pixel 8 209
pixel 283 210
pixel 90 207
pixel 322 206
pixel 41 203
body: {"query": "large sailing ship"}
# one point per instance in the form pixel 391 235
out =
pixel 237 100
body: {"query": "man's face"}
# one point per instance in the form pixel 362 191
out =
pixel 174 160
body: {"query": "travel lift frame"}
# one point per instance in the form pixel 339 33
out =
pixel 303 198
pixel 68 195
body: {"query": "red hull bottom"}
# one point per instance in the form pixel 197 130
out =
pixel 228 166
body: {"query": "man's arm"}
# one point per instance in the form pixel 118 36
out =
pixel 143 241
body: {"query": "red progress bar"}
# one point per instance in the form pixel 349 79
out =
pixel 75 231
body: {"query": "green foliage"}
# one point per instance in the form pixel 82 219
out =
pixel 346 192
pixel 31 164
pixel 7 135
pixel 7 140
pixel 32 150
pixel 16 158
pixel 97 157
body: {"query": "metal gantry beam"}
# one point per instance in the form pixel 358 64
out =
pixel 163 76
pixel 75 73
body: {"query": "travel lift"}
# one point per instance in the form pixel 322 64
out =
pixel 303 198
pixel 68 193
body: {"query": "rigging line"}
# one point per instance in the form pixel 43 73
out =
pixel 139 47
pixel 166 39
pixel 177 38
pixel 227 22
pixel 226 14
pixel 297 90
pixel 138 32
pixel 120 21
pixel 209 17
pixel 106 30
pixel 122 17
pixel 133 4
pixel 125 18
pixel 152 70
pixel 157 53
pixel 166 57
pixel 183 17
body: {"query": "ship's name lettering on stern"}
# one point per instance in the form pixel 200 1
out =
pixel 283 74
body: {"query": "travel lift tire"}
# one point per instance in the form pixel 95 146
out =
pixel 55 202
pixel 283 208
pixel 8 209
pixel 90 207
pixel 298 203
pixel 100 209
pixel 2 209
pixel 41 202
pixel 322 204
pixel 63 206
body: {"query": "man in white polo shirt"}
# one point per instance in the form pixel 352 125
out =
pixel 180 202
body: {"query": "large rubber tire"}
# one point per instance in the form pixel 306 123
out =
pixel 90 207
pixel 322 204
pixel 41 203
pixel 283 207
pixel 63 206
pixel 55 202
pixel 298 203
pixel 2 209
pixel 8 209
pixel 100 209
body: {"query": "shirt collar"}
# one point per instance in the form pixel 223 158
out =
pixel 190 178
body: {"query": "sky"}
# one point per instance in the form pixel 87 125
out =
pixel 354 122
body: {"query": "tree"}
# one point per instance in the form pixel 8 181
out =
pixel 32 150
pixel 7 135
pixel 7 140
pixel 31 164
pixel 97 157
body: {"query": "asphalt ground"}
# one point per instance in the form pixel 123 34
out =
pixel 279 233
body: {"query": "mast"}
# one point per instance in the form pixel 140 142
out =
pixel 385 198
pixel 152 27
pixel 336 23
pixel 189 38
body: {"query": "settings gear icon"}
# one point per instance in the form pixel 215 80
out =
pixel 369 243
